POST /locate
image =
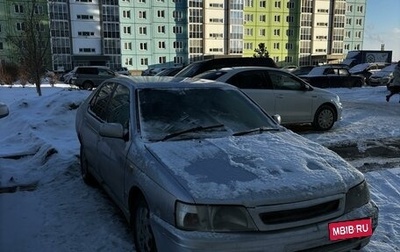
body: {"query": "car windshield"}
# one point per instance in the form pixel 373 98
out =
pixel 359 68
pixel 197 113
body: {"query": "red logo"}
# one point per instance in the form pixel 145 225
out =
pixel 350 229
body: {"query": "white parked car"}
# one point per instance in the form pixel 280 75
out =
pixel 280 92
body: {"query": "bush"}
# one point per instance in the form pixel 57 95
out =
pixel 8 73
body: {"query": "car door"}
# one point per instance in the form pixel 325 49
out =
pixel 112 151
pixel 255 85
pixel 293 100
pixel 93 120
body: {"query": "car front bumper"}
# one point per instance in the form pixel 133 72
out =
pixel 313 237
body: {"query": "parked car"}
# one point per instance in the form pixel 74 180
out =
pixel 382 77
pixel 195 164
pixel 169 71
pixel 366 69
pixel 4 111
pixel 279 92
pixel 67 77
pixel 152 71
pixel 122 70
pixel 201 66
pixel 302 70
pixel 89 77
pixel 333 77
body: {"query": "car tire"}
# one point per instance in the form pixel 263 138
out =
pixel 87 85
pixel 324 118
pixel 85 173
pixel 140 223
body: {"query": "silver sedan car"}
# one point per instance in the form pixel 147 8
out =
pixel 280 92
pixel 196 165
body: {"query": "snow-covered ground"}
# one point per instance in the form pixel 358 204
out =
pixel 53 210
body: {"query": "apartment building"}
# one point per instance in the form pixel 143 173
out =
pixel 138 34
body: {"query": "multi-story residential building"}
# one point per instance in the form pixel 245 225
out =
pixel 15 18
pixel 274 23
pixel 138 34
pixel 354 27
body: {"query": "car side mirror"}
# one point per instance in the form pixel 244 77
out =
pixel 277 118
pixel 4 111
pixel 112 130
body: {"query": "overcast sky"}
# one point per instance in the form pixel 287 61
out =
pixel 382 26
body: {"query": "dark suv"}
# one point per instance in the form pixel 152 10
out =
pixel 201 66
pixel 88 77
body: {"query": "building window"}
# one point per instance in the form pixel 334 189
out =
pixel 143 46
pixel 178 46
pixel 348 34
pixel 347 46
pixel 276 58
pixel 128 46
pixel 262 32
pixel 290 5
pixel 87 50
pixel 85 33
pixel 84 17
pixel 358 34
pixel 248 31
pixel 161 29
pixel 161 44
pixel 248 46
pixel 144 61
pixel 178 60
pixel 276 46
pixel 348 21
pixel 161 13
pixel 288 59
pixel 177 29
pixel 289 19
pixel 126 14
pixel 248 17
pixel 217 20
pixel 177 15
pixel 289 32
pixel 142 1
pixel 128 61
pixel 248 3
pixel 350 8
pixel 18 8
pixel 359 21
pixel 39 9
pixel 20 26
pixel 277 18
pixel 142 14
pixel 143 30
pixel 263 4
pixel 360 9
pixel 263 18
pixel 278 4
pixel 277 32
pixel 162 60
pixel 289 46
pixel 127 30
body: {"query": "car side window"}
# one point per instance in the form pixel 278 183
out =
pixel 283 81
pixel 105 72
pixel 249 80
pixel 100 100
pixel 119 107
pixel 343 72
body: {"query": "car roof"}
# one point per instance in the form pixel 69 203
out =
pixel 242 68
pixel 139 82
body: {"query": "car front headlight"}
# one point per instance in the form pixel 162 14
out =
pixel 213 218
pixel 357 196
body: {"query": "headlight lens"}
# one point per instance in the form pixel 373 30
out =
pixel 213 218
pixel 357 196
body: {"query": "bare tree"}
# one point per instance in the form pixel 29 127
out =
pixel 261 51
pixel 31 43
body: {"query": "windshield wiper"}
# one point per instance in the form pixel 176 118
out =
pixel 258 130
pixel 194 129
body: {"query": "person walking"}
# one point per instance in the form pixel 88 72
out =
pixel 394 86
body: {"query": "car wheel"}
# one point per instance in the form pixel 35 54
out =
pixel 87 85
pixel 142 232
pixel 324 118
pixel 85 173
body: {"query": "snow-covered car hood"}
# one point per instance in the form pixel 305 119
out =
pixel 269 168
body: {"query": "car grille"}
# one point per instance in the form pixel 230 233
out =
pixel 298 214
